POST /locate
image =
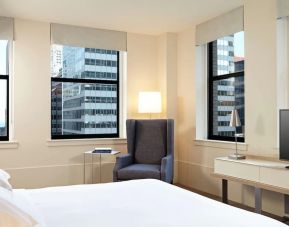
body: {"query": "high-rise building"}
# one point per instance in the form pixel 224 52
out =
pixel 3 126
pixel 4 70
pixel 56 60
pixel 56 108
pixel 228 93
pixel 239 92
pixel 87 108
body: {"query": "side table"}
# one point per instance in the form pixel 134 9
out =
pixel 92 154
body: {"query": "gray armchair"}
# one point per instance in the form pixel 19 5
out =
pixel 150 145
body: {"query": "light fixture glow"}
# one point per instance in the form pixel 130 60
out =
pixel 149 102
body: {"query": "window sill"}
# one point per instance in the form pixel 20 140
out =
pixel 220 144
pixel 8 144
pixel 86 142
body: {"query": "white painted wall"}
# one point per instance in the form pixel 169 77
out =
pixel 165 63
pixel 142 69
pixel 34 160
pixel 196 157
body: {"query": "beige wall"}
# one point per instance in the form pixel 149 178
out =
pixel 196 157
pixel 142 69
pixel 165 63
pixel 167 81
pixel 34 160
pixel 260 50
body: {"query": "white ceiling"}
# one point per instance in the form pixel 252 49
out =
pixel 140 16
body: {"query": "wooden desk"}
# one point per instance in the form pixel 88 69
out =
pixel 261 174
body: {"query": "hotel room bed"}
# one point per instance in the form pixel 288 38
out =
pixel 138 203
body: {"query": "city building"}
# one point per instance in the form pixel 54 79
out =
pixel 86 108
pixel 239 63
pixel 56 60
pixel 4 72
pixel 56 108
pixel 228 93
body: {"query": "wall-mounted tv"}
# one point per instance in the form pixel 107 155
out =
pixel 284 134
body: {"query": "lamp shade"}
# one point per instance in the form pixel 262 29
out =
pixel 235 119
pixel 149 102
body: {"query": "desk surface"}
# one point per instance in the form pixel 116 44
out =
pixel 258 162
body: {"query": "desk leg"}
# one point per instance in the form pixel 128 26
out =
pixel 286 206
pixel 99 167
pixel 224 191
pixel 84 177
pixel 258 200
pixel 92 168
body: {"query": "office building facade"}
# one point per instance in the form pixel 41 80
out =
pixel 228 93
pixel 88 94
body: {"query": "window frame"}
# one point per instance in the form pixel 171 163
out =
pixel 90 81
pixel 211 79
pixel 6 77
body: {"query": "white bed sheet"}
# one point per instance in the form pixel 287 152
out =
pixel 138 203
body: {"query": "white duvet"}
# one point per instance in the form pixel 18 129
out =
pixel 138 203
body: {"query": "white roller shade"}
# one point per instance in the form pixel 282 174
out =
pixel 6 28
pixel 88 37
pixel 283 8
pixel 220 26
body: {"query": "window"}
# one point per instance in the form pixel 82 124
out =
pixel 4 90
pixel 226 86
pixel 84 92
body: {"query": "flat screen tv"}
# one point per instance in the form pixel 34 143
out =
pixel 284 134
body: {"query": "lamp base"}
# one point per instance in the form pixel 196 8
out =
pixel 237 156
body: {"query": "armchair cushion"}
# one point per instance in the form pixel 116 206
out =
pixel 167 169
pixel 123 161
pixel 139 171
pixel 150 141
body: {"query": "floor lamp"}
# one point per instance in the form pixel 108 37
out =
pixel 235 122
pixel 149 102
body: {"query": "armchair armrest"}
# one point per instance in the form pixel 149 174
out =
pixel 121 162
pixel 167 167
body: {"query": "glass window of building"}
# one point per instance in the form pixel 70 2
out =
pixel 226 86
pixel 4 90
pixel 84 92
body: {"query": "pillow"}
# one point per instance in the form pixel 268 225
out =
pixel 14 211
pixel 4 177
pixel 4 174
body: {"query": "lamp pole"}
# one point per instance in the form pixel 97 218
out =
pixel 235 122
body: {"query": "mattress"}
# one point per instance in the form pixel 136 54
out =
pixel 137 203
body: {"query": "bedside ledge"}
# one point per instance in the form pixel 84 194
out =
pixel 8 145
pixel 220 144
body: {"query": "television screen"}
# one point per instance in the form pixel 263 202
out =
pixel 284 134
